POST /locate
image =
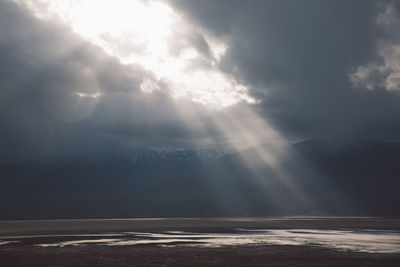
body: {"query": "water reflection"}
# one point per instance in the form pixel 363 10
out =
pixel 355 241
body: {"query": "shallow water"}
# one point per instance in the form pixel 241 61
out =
pixel 367 241
pixel 7 242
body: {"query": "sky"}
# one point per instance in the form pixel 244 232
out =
pixel 83 75
pixel 90 76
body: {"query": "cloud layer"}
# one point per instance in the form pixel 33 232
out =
pixel 61 94
pixel 297 57
pixel 80 108
pixel 305 65
pixel 385 71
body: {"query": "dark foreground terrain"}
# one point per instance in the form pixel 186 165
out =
pixel 202 242
pixel 183 256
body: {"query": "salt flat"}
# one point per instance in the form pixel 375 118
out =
pixel 306 241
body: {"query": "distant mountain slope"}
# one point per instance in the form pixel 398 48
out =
pixel 347 177
pixel 368 171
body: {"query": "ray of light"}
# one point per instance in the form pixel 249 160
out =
pixel 184 59
pixel 245 129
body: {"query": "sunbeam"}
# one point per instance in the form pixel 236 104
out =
pixel 182 60
pixel 188 132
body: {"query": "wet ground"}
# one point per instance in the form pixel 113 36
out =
pixel 202 242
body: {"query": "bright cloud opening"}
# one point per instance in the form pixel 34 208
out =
pixel 151 34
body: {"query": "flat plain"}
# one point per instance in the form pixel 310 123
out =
pixel 299 241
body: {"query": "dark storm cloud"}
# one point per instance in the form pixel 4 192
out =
pixel 84 115
pixel 296 56
pixel 49 77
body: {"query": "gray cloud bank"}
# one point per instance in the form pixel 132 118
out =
pixel 296 57
pixel 60 94
pixel 317 69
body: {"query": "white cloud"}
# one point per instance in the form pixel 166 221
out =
pixel 385 71
pixel 390 16
pixel 385 74
pixel 152 35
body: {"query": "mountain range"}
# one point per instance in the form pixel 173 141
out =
pixel 313 177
